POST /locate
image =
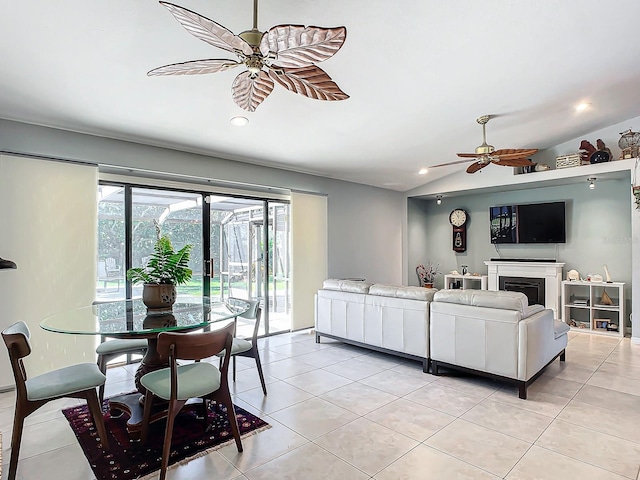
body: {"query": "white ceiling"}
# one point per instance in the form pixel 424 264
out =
pixel 419 72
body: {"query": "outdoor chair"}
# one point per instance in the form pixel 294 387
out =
pixel 76 381
pixel 178 383
pixel 248 347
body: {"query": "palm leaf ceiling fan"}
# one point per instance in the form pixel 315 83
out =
pixel 486 154
pixel 286 54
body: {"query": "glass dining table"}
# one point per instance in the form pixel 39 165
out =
pixel 129 319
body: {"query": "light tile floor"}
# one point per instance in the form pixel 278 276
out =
pixel 342 412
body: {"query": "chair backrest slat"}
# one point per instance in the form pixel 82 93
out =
pixel 194 346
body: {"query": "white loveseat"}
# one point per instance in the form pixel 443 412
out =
pixel 387 318
pixel 494 333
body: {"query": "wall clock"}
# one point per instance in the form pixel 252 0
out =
pixel 458 219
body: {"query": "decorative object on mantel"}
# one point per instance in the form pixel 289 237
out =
pixel 570 160
pixel 164 270
pixel 286 54
pixel 601 148
pixel 573 275
pixel 606 273
pixel 7 264
pixel 592 154
pixel 427 274
pixel 629 144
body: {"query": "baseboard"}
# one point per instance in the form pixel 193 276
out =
pixel 635 340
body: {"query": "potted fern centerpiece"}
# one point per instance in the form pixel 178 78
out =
pixel 164 270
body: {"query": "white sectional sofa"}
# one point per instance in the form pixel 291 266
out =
pixel 387 318
pixel 494 333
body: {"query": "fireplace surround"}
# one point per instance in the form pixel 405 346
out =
pixel 550 271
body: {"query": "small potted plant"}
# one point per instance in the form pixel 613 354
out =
pixel 165 269
pixel 427 274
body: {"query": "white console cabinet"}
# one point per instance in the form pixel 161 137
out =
pixel 474 282
pixel 582 305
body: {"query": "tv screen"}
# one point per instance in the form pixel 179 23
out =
pixel 529 223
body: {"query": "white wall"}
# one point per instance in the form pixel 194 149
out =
pixel 49 224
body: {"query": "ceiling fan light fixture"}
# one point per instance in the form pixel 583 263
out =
pixel 239 121
pixel 592 183
pixel 438 199
pixel 423 171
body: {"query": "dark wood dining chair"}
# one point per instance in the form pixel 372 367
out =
pixel 248 347
pixel 76 381
pixel 179 383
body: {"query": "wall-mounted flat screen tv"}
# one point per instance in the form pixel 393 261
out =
pixel 528 223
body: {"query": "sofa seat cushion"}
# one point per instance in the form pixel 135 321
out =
pixel 352 286
pixel 409 293
pixel 560 328
pixel 502 300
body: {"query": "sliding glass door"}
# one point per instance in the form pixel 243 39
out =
pixel 175 214
pixel 236 253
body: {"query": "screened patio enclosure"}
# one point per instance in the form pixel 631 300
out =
pixel 234 253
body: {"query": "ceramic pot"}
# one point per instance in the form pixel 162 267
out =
pixel 428 285
pixel 158 296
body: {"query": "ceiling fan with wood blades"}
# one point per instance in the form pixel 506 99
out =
pixel 285 54
pixel 486 154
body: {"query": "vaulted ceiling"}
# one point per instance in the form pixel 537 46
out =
pixel 418 72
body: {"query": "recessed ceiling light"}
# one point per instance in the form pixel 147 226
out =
pixel 239 121
pixel 423 171
pixel 581 107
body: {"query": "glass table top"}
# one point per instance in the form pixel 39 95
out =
pixel 130 318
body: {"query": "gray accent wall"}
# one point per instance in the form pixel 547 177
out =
pixel 598 226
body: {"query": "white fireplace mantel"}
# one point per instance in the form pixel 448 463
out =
pixel 550 271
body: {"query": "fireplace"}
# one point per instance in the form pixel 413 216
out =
pixel 533 288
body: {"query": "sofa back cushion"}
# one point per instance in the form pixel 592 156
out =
pixel 352 286
pixel 501 300
pixel 409 293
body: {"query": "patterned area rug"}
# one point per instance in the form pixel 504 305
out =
pixel 129 460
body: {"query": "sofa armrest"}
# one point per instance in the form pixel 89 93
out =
pixel 537 343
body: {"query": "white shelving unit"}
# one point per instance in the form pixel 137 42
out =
pixel 467 282
pixel 582 304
